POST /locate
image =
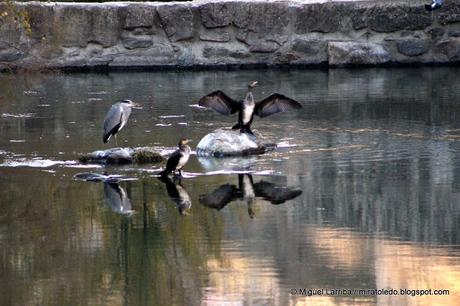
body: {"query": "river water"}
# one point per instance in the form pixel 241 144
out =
pixel 361 193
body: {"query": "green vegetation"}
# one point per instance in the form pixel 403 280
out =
pixel 11 14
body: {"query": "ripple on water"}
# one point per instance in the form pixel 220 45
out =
pixel 31 93
pixel 35 162
pixel 196 106
pixel 171 116
pixel 23 115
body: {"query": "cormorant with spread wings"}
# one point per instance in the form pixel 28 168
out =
pixel 247 108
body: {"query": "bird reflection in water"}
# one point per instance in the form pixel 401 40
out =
pixel 115 195
pixel 178 194
pixel 248 191
pixel 117 199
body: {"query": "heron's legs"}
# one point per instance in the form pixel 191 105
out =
pixel 116 142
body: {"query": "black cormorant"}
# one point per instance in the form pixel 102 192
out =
pixel 178 159
pixel 246 109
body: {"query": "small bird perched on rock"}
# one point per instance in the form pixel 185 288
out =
pixel 116 118
pixel 435 4
pixel 178 159
pixel 247 108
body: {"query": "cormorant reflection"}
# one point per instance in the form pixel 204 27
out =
pixel 117 198
pixel 248 192
pixel 178 194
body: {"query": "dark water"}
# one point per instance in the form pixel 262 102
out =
pixel 362 193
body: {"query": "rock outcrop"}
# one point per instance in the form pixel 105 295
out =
pixel 226 143
pixel 119 156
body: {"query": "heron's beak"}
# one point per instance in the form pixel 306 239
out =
pixel 253 84
pixel 137 105
pixel 188 140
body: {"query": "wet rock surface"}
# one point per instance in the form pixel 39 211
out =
pixel 119 156
pixel 226 143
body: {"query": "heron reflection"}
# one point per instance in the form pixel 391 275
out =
pixel 178 194
pixel 117 199
pixel 248 191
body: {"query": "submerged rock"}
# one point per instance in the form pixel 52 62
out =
pixel 224 143
pixel 120 156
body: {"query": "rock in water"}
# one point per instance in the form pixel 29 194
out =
pixel 224 143
pixel 122 156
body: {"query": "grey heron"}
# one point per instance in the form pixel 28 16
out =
pixel 116 118
pixel 178 159
pixel 247 108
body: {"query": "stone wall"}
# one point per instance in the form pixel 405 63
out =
pixel 226 33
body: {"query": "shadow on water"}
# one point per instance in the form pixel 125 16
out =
pixel 370 168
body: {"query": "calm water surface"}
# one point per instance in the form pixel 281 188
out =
pixel 362 192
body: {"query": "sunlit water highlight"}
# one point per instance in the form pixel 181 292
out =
pixel 374 153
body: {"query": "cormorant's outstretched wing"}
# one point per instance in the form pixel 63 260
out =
pixel 220 102
pixel 220 197
pixel 274 193
pixel 274 104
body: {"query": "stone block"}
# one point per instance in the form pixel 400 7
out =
pixel 40 19
pixel 177 21
pixel 413 46
pixel 213 52
pixel 139 15
pixel 137 42
pixel 450 13
pixel 450 49
pixel 318 17
pixel 215 14
pixel 76 25
pixel 391 18
pixel 356 53
pixel 216 35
